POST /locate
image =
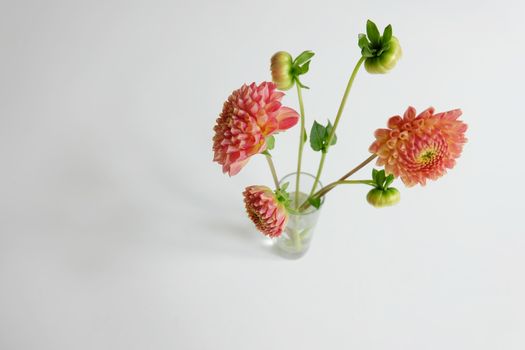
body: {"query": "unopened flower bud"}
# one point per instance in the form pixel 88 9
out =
pixel 383 198
pixel 381 51
pixel 387 60
pixel 281 67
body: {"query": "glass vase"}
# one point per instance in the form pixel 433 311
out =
pixel 296 237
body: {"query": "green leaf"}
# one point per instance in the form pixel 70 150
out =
pixel 317 136
pixel 389 180
pixel 387 34
pixel 374 174
pixel 301 84
pixel 304 68
pixel 373 32
pixel 270 142
pixel 328 131
pixel 315 202
pixel 304 57
pixel 381 178
pixel 363 41
pixel 285 186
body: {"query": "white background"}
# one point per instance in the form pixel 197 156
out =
pixel 117 231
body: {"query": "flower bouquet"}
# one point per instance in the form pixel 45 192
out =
pixel 413 147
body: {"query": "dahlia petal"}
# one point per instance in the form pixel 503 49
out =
pixel 394 133
pixel 286 118
pixel 273 106
pixel 235 167
pixel 410 113
pixel 394 122
pixel 453 114
pixel 234 155
pixel 383 152
pixel 450 163
pixel 391 143
pixel 382 134
pixel 254 108
pixel 374 147
pixel 277 95
pixel 270 127
pixel 426 113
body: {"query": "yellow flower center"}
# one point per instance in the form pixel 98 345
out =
pixel 427 156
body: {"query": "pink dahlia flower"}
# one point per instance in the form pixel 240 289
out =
pixel 266 212
pixel 250 114
pixel 422 147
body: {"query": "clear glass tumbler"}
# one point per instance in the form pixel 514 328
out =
pixel 295 240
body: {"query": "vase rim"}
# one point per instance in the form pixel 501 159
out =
pixel 312 209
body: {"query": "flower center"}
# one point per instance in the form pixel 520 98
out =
pixel 427 156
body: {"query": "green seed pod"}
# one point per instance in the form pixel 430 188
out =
pixel 385 61
pixel 281 68
pixel 380 198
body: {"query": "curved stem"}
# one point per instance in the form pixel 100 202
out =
pixel 323 191
pixel 331 186
pixel 301 145
pixel 356 182
pixel 336 122
pixel 272 169
pixel 357 168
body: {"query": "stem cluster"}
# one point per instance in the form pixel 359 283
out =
pixel 285 73
pixel 314 197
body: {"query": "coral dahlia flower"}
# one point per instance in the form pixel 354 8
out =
pixel 267 213
pixel 417 148
pixel 250 114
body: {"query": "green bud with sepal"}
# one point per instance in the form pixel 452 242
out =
pixel 286 71
pixel 381 52
pixel 281 68
pixel 382 195
pixel 383 198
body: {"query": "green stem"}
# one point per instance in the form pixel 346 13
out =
pixel 323 191
pixel 331 186
pixel 358 167
pixel 318 174
pixel 336 122
pixel 354 182
pixel 272 169
pixel 301 146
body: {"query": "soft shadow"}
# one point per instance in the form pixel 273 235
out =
pixel 227 236
pixel 212 224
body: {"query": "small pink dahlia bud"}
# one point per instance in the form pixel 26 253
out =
pixel 267 213
pixel 422 147
pixel 249 116
pixel 281 68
